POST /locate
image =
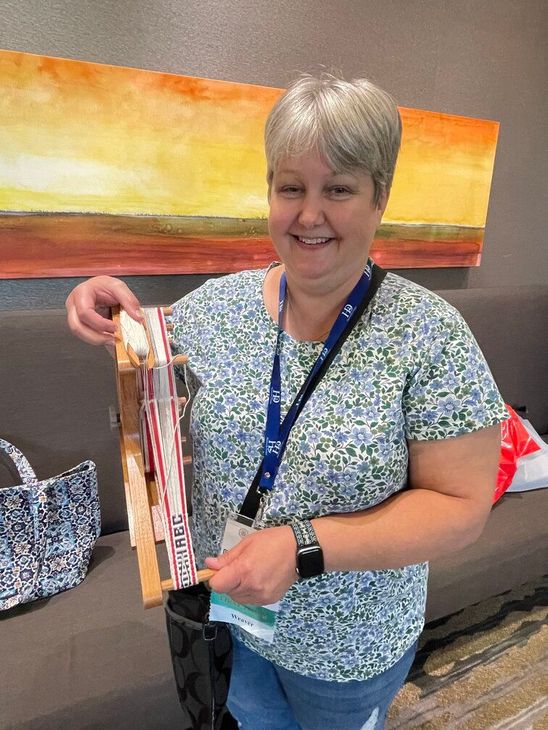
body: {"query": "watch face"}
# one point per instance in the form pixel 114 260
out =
pixel 310 561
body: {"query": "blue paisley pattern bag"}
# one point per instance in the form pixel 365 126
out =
pixel 47 530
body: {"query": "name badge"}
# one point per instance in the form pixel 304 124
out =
pixel 237 527
pixel 256 620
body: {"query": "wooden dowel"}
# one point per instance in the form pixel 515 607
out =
pixel 168 311
pixel 203 575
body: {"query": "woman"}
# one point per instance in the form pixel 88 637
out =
pixel 392 461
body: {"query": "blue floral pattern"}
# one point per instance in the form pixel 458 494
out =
pixel 410 369
pixel 47 530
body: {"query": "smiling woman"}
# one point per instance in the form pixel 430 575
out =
pixel 389 464
pixel 331 151
pixel 322 225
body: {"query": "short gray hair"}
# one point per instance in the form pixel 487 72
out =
pixel 350 124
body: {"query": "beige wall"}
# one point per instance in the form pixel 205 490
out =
pixel 482 58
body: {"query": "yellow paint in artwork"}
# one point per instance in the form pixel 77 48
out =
pixel 93 138
pixel 444 169
pixel 84 137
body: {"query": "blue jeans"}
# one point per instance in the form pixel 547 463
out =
pixel 264 696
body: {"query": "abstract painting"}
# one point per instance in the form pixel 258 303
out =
pixel 113 170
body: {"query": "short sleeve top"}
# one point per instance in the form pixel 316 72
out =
pixel 410 369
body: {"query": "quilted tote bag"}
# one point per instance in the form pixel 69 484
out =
pixel 47 530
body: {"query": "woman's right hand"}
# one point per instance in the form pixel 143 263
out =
pixel 88 308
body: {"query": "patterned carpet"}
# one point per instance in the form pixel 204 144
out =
pixel 484 668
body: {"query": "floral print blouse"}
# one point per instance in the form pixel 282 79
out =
pixel 410 369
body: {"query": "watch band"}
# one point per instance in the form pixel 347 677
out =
pixel 309 559
pixel 304 533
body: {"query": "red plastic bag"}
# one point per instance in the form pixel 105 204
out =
pixel 515 442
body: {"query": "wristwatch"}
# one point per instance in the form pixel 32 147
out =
pixel 309 552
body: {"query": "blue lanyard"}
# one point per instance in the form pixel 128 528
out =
pixel 277 433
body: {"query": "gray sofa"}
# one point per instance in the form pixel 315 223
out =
pixel 92 657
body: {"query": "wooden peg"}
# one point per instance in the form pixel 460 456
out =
pixel 203 576
pixel 168 311
pixel 132 356
pixel 179 360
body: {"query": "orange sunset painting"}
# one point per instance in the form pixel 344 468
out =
pixel 112 170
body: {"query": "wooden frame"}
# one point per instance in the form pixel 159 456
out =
pixel 143 509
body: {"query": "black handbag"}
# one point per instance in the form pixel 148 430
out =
pixel 201 650
pixel 201 653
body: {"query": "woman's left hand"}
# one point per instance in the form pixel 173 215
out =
pixel 259 570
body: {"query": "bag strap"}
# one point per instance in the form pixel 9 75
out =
pixel 24 469
pixel 252 501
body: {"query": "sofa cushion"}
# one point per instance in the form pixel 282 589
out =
pixel 91 657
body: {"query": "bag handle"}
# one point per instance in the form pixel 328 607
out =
pixel 24 469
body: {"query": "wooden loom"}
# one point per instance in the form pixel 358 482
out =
pixel 143 504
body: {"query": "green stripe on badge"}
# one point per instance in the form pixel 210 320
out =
pixel 259 613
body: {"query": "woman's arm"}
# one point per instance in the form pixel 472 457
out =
pixel 451 487
pixel 451 492
pixel 88 305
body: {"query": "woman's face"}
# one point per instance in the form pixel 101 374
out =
pixel 322 223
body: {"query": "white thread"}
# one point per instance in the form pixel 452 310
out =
pixel 189 398
pixel 134 334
